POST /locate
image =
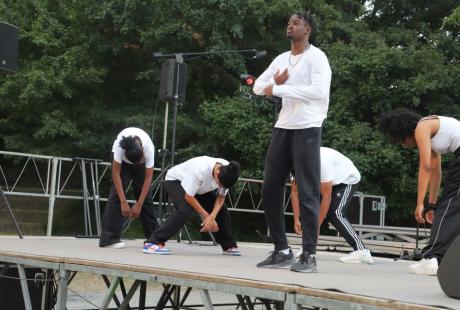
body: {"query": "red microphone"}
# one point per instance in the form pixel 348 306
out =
pixel 247 79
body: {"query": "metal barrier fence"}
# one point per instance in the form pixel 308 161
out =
pixel 54 178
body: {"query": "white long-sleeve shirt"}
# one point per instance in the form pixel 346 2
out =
pixel 305 94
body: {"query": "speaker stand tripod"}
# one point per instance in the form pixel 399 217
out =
pixel 176 100
pixel 417 253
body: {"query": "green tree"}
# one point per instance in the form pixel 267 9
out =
pixel 86 71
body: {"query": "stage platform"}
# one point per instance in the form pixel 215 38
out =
pixel 385 284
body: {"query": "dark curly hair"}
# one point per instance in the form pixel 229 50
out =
pixel 133 150
pixel 399 124
pixel 229 174
pixel 307 17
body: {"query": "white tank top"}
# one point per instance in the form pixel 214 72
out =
pixel 447 139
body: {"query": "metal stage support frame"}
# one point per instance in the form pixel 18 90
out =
pixel 4 201
pixel 290 297
pixel 92 164
pixel 55 178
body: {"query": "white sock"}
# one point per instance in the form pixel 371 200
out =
pixel 285 251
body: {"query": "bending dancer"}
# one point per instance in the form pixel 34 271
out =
pixel 433 135
pixel 302 78
pixel 339 180
pixel 133 158
pixel 192 186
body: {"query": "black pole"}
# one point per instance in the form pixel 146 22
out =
pixel 184 55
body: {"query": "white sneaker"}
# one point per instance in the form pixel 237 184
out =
pixel 359 256
pixel 117 245
pixel 426 266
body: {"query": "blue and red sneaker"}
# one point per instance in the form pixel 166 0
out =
pixel 152 248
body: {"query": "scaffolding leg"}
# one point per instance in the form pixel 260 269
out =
pixel 107 282
pixel 62 288
pixel 142 295
pixel 206 299
pixel 95 185
pixel 290 303
pixel 125 304
pixel 24 287
pixel 110 293
pixel 7 204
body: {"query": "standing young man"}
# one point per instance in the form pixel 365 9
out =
pixel 302 78
pixel 200 184
pixel 339 180
pixel 133 158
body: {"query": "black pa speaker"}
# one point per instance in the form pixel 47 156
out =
pixel 448 271
pixel 8 47
pixel 173 80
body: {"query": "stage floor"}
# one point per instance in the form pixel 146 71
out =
pixel 386 279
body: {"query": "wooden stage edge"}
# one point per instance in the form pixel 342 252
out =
pixel 206 273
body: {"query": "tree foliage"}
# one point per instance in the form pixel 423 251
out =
pixel 86 72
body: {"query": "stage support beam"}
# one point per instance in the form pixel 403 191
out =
pixel 52 199
pixel 124 305
pixel 110 293
pixel 207 303
pixel 290 303
pixel 62 288
pixel 24 287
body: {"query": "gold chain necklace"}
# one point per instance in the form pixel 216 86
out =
pixel 301 55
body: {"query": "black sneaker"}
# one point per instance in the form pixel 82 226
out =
pixel 305 263
pixel 277 259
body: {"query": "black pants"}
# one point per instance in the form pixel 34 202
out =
pixel 297 150
pixel 446 223
pixel 341 198
pixel 112 220
pixel 175 221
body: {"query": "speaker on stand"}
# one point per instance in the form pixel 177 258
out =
pixel 173 80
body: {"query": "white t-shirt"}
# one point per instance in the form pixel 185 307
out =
pixel 196 175
pixel 305 93
pixel 337 168
pixel 447 139
pixel 147 146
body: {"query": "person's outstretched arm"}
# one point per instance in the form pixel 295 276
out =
pixel 423 139
pixel 136 211
pixel 116 171
pixel 326 198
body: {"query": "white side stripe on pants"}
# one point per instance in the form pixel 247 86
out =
pixel 346 223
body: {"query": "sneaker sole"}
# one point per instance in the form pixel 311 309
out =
pixel 422 272
pixel 427 272
pixel 313 270
pixel 351 261
pixel 279 265
pixel 114 247
pixel 157 253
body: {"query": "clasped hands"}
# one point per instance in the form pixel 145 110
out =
pixel 209 224
pixel 131 213
pixel 279 78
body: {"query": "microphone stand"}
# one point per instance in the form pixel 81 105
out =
pixel 181 56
